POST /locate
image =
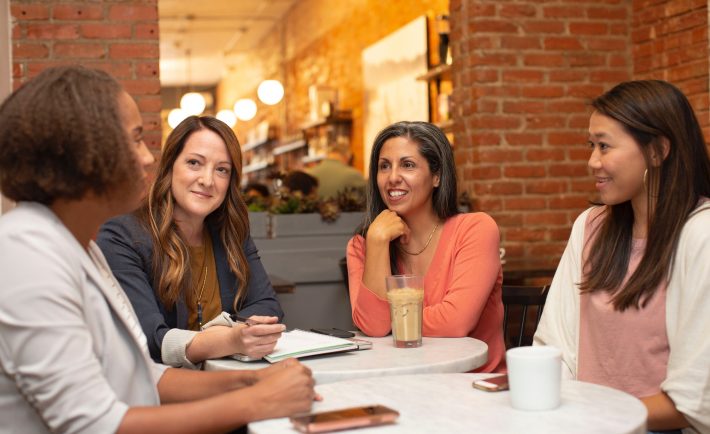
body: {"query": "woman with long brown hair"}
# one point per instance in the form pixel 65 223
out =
pixel 629 305
pixel 186 256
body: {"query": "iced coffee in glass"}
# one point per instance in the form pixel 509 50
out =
pixel 405 294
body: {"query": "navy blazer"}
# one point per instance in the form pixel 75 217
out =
pixel 128 248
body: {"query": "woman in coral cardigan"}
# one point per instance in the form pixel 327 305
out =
pixel 412 226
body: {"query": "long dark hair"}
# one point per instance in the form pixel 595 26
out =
pixel 171 261
pixel 436 149
pixel 655 113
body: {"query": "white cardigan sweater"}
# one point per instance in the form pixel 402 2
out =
pixel 687 316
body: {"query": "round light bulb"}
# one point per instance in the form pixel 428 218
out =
pixel 192 103
pixel 270 92
pixel 176 116
pixel 228 117
pixel 245 109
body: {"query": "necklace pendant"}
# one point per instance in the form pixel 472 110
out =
pixel 199 315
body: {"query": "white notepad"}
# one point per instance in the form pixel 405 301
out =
pixel 300 343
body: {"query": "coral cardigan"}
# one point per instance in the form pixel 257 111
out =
pixel 462 287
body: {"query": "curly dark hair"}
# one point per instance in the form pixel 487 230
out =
pixel 61 137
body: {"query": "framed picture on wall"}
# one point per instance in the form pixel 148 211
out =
pixel 392 92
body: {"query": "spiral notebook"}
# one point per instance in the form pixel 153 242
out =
pixel 300 343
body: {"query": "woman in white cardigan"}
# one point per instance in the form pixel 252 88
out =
pixel 73 358
pixel 629 305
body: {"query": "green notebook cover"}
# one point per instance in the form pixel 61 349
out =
pixel 300 343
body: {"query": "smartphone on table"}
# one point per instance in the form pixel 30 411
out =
pixel 344 419
pixel 362 344
pixel 492 384
pixel 334 332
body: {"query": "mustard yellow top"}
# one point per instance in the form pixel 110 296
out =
pixel 204 272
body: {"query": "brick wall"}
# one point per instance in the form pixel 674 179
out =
pixel 670 42
pixel 524 72
pixel 120 37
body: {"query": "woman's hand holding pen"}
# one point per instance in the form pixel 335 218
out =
pixel 257 336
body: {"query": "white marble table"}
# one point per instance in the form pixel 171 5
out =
pixel 446 403
pixel 436 355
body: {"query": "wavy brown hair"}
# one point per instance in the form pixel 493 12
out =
pixel 171 260
pixel 61 137
pixel 654 113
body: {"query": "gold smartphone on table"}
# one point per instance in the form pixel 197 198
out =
pixel 492 384
pixel 346 418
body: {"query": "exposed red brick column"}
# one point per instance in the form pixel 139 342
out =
pixel 524 72
pixel 118 37
pixel 670 42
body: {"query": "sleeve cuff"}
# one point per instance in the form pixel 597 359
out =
pixel 157 370
pixel 173 348
pixel 223 319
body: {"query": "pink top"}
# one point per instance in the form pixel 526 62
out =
pixel 624 350
pixel 462 288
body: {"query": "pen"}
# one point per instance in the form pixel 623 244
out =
pixel 247 321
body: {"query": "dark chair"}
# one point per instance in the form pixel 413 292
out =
pixel 343 263
pixel 520 299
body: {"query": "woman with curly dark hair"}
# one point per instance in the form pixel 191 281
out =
pixel 72 354
pixel 186 259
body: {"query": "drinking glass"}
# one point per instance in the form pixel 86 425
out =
pixel 405 294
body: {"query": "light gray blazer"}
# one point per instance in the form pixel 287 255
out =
pixel 73 357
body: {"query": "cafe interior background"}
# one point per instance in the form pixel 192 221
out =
pixel 509 81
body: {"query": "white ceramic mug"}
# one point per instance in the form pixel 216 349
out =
pixel 534 375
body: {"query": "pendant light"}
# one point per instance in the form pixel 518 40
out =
pixel 176 116
pixel 228 117
pixel 270 92
pixel 245 109
pixel 192 103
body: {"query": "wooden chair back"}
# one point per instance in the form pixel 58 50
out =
pixel 519 300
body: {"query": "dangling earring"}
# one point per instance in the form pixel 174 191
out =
pixel 651 189
pixel 645 178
